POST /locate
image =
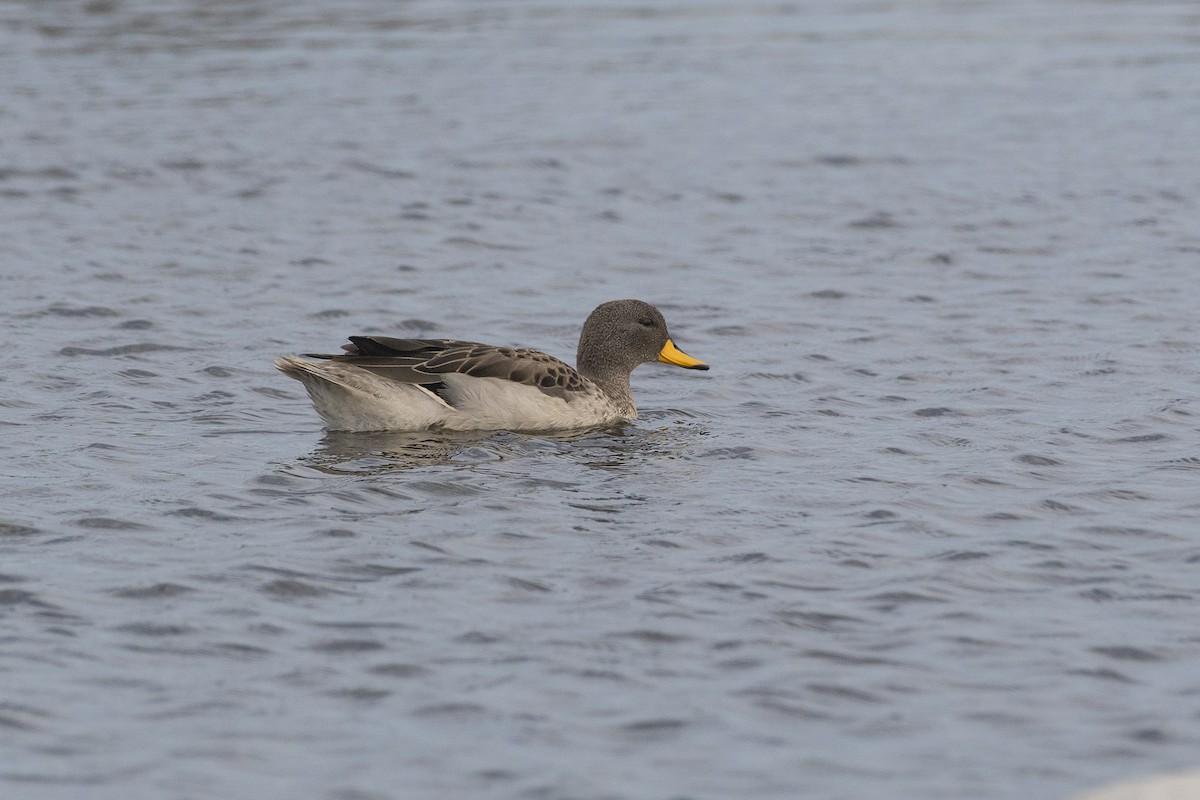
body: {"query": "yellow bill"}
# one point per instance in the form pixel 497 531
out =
pixel 670 354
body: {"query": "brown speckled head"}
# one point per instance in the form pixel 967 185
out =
pixel 621 334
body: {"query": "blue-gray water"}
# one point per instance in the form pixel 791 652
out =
pixel 928 530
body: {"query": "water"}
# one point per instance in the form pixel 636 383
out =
pixel 927 529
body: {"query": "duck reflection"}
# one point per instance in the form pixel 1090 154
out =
pixel 343 453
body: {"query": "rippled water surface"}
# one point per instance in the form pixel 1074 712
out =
pixel 928 530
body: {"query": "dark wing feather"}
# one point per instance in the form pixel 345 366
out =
pixel 424 360
pixel 407 348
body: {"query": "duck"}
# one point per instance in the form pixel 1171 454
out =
pixel 382 383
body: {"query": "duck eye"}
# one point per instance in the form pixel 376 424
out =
pixel 646 322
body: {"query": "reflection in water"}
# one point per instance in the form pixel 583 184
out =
pixel 380 452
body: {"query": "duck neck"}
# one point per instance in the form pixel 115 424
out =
pixel 612 380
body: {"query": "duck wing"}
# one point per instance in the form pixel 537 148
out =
pixel 429 361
